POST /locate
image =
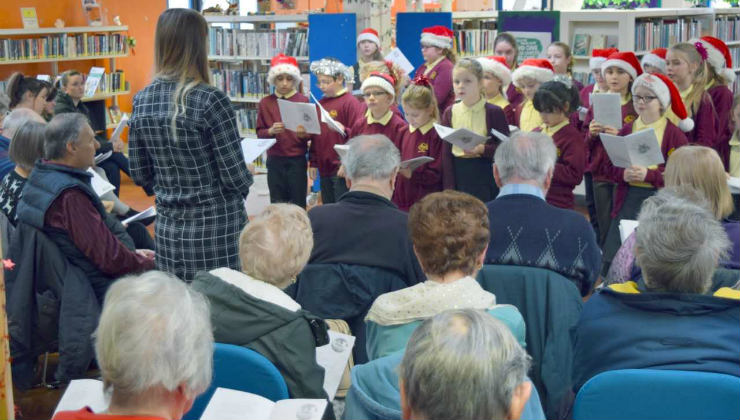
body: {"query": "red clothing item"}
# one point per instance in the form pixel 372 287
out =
pixel 363 109
pixel 722 99
pixel 393 130
pixel 595 153
pixel 268 113
pixel 441 78
pixel 673 138
pixel 510 114
pixel 514 95
pixel 569 167
pixel 705 132
pixel 427 178
pixel 73 213
pixel 585 95
pixel 87 414
pixel 345 109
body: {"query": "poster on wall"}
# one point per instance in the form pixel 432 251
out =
pixel 532 44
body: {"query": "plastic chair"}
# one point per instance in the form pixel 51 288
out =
pixel 242 369
pixel 652 394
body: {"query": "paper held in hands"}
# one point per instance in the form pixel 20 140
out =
pixel 103 156
pixel 626 227
pixel 460 137
pixel 397 57
pixel 151 211
pixel 119 128
pixel 636 149
pixel 414 163
pixel 294 114
pixel 327 119
pixel 341 150
pixel 734 184
pixel 253 148
pixel 607 109
pixel 98 184
pixel 333 358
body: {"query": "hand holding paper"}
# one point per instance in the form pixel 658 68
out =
pixel 414 163
pixel 607 109
pixel 637 149
pixel 396 57
pixel 460 137
pixel 253 148
pixel 294 114
pixel 328 120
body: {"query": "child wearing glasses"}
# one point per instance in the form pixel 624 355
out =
pixel 653 95
pixel 287 168
pixel 620 69
pixel 470 171
pixel 555 101
pixel 439 58
pixel 345 109
pixel 528 77
pixel 379 91
pixel 420 139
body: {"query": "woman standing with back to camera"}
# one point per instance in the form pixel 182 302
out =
pixel 184 143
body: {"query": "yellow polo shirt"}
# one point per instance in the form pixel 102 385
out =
pixel 659 127
pixel 550 131
pixel 529 119
pixel 382 121
pixel 424 128
pixel 288 96
pixel 473 118
pixel 431 65
pixel 735 155
pixel 499 101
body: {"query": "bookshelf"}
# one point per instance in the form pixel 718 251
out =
pixel 727 28
pixel 475 32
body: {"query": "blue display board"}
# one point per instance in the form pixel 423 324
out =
pixel 331 35
pixel 408 32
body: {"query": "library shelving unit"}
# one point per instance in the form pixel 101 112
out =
pixel 240 49
pixel 475 32
pixel 727 28
pixel 77 43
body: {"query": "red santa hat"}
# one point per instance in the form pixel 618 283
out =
pixel 382 81
pixel 718 56
pixel 598 56
pixel 625 60
pixel 655 58
pixel 496 65
pixel 437 36
pixel 538 69
pixel 667 94
pixel 369 34
pixel 283 64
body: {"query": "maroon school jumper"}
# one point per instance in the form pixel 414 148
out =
pixel 673 138
pixel 427 178
pixel 595 152
pixel 441 78
pixel 345 109
pixel 585 95
pixel 722 99
pixel 705 132
pixel 569 166
pixel 287 144
pixel 394 129
pixel 514 95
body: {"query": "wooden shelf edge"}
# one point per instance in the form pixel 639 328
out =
pixel 52 60
pixel 101 96
pixel 69 30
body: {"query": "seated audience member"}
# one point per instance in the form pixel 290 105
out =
pixel 154 347
pixel 58 200
pixel 26 147
pixel 364 227
pixel 700 168
pixel 525 229
pixel 10 124
pixel 463 364
pixel 450 233
pixel 5 164
pixel 250 309
pixel 670 321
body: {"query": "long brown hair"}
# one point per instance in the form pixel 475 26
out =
pixel 700 77
pixel 509 39
pixel 18 85
pixel 566 51
pixel 181 53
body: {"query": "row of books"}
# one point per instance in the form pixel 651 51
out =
pixel 658 33
pixel 241 83
pixel 246 119
pixel 476 42
pixel 735 54
pixel 727 28
pixel 584 44
pixel 113 82
pixel 260 43
pixel 62 46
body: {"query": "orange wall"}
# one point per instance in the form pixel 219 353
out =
pixel 139 15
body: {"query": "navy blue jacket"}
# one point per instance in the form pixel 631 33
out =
pixel 632 329
pixel 6 165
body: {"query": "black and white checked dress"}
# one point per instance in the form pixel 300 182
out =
pixel 200 179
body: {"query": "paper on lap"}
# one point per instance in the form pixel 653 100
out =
pixel 151 211
pixel 98 184
pixel 333 358
pixel 229 404
pixel 81 393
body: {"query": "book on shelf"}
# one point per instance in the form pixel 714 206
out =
pixel 727 28
pixel 257 43
pixel 241 83
pixel 598 41
pixel 246 120
pixel 611 41
pixel 63 46
pixel 107 83
pixel 581 44
pixel 657 33
pixel 477 42
pixel 582 77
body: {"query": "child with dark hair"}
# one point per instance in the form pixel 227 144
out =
pixel 555 101
pixel 332 76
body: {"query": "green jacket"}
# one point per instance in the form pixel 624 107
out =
pixel 288 339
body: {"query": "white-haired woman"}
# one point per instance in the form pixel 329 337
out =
pixel 250 309
pixel 154 347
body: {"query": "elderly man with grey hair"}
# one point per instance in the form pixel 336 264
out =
pixel 671 319
pixel 464 364
pixel 525 229
pixel 154 346
pixel 59 200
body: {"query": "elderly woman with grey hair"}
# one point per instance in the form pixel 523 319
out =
pixel 464 364
pixel 672 320
pixel 251 310
pixel 154 347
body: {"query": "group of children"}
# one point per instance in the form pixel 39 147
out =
pixel 681 92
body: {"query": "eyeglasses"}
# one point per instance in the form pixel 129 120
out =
pixel 424 47
pixel 644 99
pixel 375 94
